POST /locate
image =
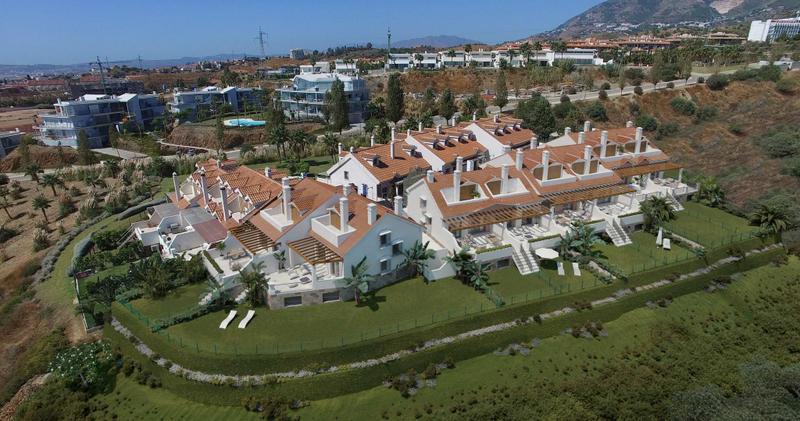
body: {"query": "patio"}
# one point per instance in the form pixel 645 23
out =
pixel 481 240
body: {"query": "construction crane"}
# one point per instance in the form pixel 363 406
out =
pixel 262 42
pixel 102 75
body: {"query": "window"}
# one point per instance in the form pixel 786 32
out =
pixel 397 248
pixel 423 204
pixel 292 301
pixel 428 220
pixel 386 265
pixel 328 297
pixel 503 263
pixel 385 237
pixel 347 175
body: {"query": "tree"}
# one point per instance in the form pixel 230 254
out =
pixel 395 107
pixel 447 105
pixel 525 50
pixel 359 279
pixel 112 167
pixel 657 211
pixel 537 116
pixel 331 144
pixel 580 240
pixel 5 203
pixel 278 136
pixel 501 91
pixel 462 262
pixel 152 275
pixel 417 256
pixel 85 156
pixel 336 106
pixel 113 139
pixel 771 220
pixel 52 180
pixel 32 171
pixel 229 78
pixel 709 192
pixel 479 276
pixel 254 281
pixel 428 102
pixel 219 135
pixel 84 366
pixel 41 203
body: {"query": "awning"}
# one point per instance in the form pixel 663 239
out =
pixel 589 194
pixel 314 251
pixel 646 169
pixel 495 215
pixel 252 238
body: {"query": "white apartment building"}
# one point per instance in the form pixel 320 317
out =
pixel 772 29
pixel 206 98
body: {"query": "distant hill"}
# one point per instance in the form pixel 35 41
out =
pixel 630 16
pixel 436 41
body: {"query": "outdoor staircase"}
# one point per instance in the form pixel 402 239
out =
pixel 523 258
pixel 673 202
pixel 618 235
pixel 129 235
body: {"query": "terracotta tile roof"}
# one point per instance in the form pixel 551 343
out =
pixel 253 184
pixel 450 143
pixel 307 195
pixel 506 130
pixel 385 168
pixel 618 136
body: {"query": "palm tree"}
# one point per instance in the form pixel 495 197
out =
pixel 52 180
pixel 254 281
pixel 281 257
pixel 5 204
pixel 771 219
pixel 218 296
pixel 152 275
pixel 525 50
pixel 331 144
pixel 462 260
pixel 359 279
pixel 657 211
pixel 709 192
pixel 479 276
pixel 33 171
pixel 580 239
pixel 41 203
pixel 417 256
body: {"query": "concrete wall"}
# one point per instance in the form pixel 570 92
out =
pixel 357 175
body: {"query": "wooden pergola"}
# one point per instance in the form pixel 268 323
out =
pixel 495 216
pixel 314 251
pixel 252 238
pixel 646 169
pixel 589 194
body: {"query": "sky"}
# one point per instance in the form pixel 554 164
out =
pixel 67 32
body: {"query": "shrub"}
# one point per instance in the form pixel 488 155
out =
pixel 605 86
pixel 717 82
pixel 647 122
pixel 596 111
pixel 638 90
pixel 781 143
pixel 602 95
pixel 736 128
pixel 7 233
pixel 564 98
pixel 670 85
pixel 683 106
pixel 666 130
pixel 769 73
pixel 3 179
pixel 701 80
pixel 40 240
pixel 706 112
pixel 786 86
pixel 744 74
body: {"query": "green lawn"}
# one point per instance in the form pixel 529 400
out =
pixel 404 305
pixel 517 288
pixel 318 164
pixel 177 301
pixel 710 227
pixel 643 254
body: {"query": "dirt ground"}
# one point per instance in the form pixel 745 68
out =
pixel 44 156
pixel 21 118
pixel 204 134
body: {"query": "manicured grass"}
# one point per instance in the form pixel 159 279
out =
pixel 643 254
pixel 177 301
pixel 710 227
pixel 517 288
pixel 318 164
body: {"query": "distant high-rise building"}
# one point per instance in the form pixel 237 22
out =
pixel 297 54
pixel 772 29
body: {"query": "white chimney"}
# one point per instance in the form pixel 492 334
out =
pixel 639 131
pixel 587 156
pixel 339 148
pixel 474 116
pixel 203 187
pixel 567 131
pixel 372 213
pixel 629 124
pixel 352 149
pixel 545 164
pixel 429 176
pixel 534 142
pixel 453 122
pixel 268 172
pixel 587 126
pixel 456 186
pixel 394 133
pixel 459 163
pixel 391 149
pixel 518 160
pixel 504 178
pixel 224 197
pixel 497 118
pixel 470 165
pixel 346 190
pixel 372 140
pixel 581 138
pixel 398 205
pixel 176 185
pixel 287 199
pixel 506 149
pixel 408 132
pixel 344 214
pixel 419 126
pixel 603 143
pixel 438 129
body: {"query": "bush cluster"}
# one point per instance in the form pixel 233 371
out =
pixel 683 106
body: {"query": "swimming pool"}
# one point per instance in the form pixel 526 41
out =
pixel 244 122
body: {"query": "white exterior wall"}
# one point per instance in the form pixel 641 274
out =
pixel 357 174
pixel 369 245
pixel 759 30
pixel 434 161
pixel 437 229
pixel 488 141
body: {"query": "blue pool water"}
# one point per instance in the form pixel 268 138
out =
pixel 244 122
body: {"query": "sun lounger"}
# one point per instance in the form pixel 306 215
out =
pixel 561 269
pixel 576 269
pixel 227 321
pixel 667 245
pixel 243 323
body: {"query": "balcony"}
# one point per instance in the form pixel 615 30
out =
pixel 302 278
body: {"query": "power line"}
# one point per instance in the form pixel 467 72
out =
pixel 262 42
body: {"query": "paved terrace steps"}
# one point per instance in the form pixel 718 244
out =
pixel 526 263
pixel 673 202
pixel 618 235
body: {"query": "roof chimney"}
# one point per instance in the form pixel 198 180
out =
pixel 506 149
pixel 459 163
pixel 519 158
pixel 637 150
pixel 545 164
pixel 474 116
pixel 224 197
pixel 629 124
pixel 534 142
pixel 203 187
pixel 567 131
pixel 603 143
pixel 438 129
pixel 456 186
pixel 287 199
pixel 346 190
pixel 587 157
pixel 453 122
pixel 419 126
pixel 497 118
pixel 398 205
pixel 339 148
pixel 504 178
pixel 391 149
pixel 587 126
pixel 429 176
pixel 268 172
pixel 581 138
pixel 470 165
pixel 372 140
pixel 372 213
pixel 176 185
pixel 352 149
pixel 344 214
pixel 394 133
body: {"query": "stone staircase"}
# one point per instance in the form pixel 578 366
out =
pixel 523 258
pixel 673 202
pixel 618 235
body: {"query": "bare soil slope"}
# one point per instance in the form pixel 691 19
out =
pixel 45 157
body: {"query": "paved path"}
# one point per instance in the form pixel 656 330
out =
pixel 120 153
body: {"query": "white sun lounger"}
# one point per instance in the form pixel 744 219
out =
pixel 243 323
pixel 227 321
pixel 561 269
pixel 576 269
pixel 667 244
